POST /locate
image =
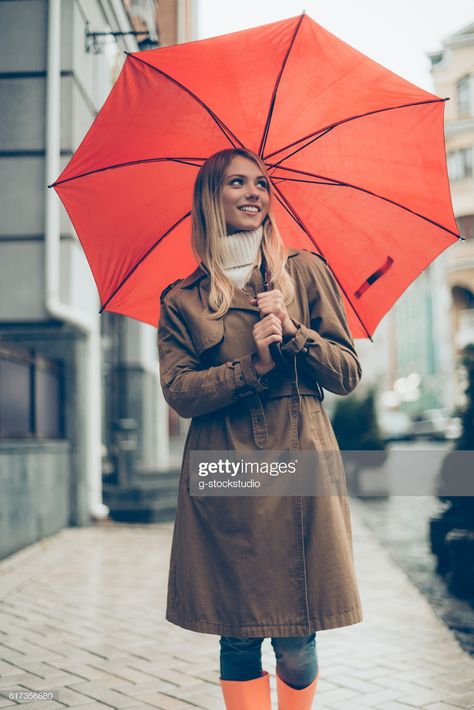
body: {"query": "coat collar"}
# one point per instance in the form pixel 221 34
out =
pixel 200 272
pixel 207 331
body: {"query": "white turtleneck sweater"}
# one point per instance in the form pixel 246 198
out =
pixel 239 254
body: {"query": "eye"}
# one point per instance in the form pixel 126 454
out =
pixel 237 180
pixel 263 183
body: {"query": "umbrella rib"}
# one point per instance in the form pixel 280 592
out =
pixel 315 135
pixel 231 137
pixel 292 212
pixel 302 147
pixel 142 258
pixel 277 180
pixel 341 183
pixel 183 161
pixel 277 84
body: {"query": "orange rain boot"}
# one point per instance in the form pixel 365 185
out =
pixel 247 694
pixel 293 699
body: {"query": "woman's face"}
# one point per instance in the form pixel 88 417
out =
pixel 244 195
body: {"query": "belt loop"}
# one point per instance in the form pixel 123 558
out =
pixel 320 391
pixel 295 393
pixel 259 423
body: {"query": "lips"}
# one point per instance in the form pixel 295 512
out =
pixel 249 209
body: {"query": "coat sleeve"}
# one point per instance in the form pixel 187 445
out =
pixel 190 389
pixel 325 351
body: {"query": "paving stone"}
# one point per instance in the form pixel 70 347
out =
pixel 394 706
pixel 39 705
pixel 166 702
pixel 377 698
pixel 103 641
pixel 424 697
pixel 462 700
pixel 150 686
pixel 108 696
pixel 70 697
pixel 348 681
pixel 51 683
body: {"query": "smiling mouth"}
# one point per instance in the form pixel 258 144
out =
pixel 249 210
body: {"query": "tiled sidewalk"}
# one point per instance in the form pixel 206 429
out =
pixel 82 613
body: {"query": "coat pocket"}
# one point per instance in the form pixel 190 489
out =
pixel 314 406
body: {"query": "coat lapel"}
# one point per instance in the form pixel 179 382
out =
pixel 206 331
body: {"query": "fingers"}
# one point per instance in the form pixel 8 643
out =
pixel 270 302
pixel 268 330
pixel 265 332
pixel 270 323
pixel 277 338
pixel 265 297
pixel 273 292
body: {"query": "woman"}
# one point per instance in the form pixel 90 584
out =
pixel 246 567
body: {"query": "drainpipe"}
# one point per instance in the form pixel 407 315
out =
pixel 88 325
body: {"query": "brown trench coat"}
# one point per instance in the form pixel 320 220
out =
pixel 258 566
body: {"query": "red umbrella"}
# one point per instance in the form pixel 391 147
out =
pixel 356 155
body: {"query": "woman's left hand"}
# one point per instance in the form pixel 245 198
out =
pixel 272 302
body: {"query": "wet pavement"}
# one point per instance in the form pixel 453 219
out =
pixel 82 614
pixel 401 525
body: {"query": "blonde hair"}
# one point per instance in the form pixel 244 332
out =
pixel 209 227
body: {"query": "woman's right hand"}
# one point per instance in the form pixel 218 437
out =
pixel 266 331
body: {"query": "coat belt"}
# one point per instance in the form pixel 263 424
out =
pixel 281 387
pixel 285 388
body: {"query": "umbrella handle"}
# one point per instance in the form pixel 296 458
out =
pixel 274 348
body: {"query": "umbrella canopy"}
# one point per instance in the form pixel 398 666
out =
pixel 356 156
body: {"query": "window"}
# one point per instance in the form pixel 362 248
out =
pixel 466 226
pixel 15 396
pixel 460 163
pixel 463 88
pixel 31 395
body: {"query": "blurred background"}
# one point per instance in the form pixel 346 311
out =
pixel 85 435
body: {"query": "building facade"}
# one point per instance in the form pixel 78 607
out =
pixel 434 318
pixel 76 390
pixel 453 75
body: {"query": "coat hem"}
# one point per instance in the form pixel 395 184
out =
pixel 346 618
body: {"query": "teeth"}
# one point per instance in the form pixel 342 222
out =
pixel 249 209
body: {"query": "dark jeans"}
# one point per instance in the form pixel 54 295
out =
pixel 297 665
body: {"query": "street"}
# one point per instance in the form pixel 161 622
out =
pixel 401 524
pixel 82 613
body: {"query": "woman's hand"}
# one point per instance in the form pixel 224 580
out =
pixel 266 331
pixel 271 302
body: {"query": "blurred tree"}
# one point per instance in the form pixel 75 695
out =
pixel 451 532
pixel 466 440
pixel 452 478
pixel 357 432
pixel 355 423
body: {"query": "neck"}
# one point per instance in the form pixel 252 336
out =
pixel 239 254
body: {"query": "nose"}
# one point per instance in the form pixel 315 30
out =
pixel 252 193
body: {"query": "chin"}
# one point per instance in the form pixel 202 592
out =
pixel 242 227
